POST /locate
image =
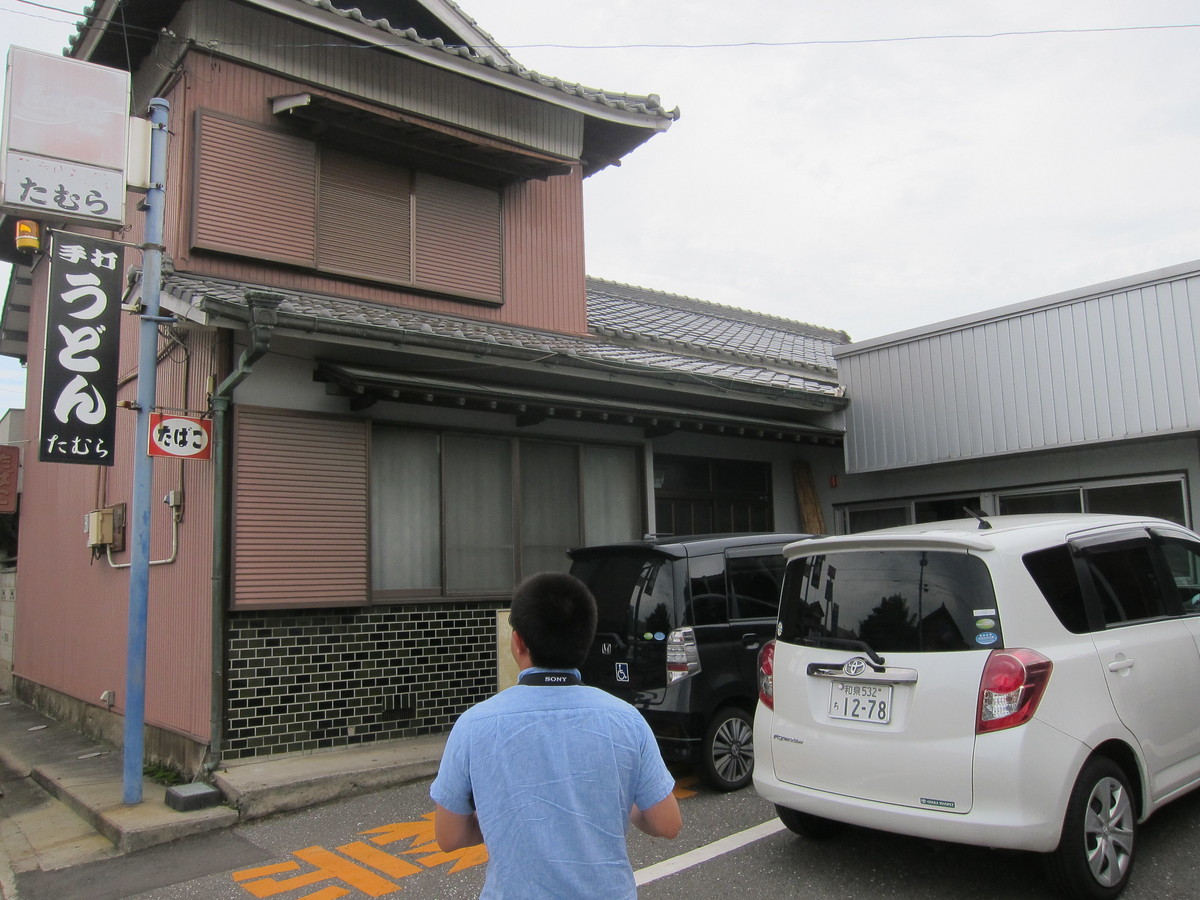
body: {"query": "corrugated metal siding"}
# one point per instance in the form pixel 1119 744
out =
pixel 255 192
pixel 72 611
pixel 300 510
pixel 288 48
pixel 1117 365
pixel 544 283
pixel 542 220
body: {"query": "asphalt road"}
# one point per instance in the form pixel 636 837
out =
pixel 731 847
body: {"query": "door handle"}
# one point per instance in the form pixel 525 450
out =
pixel 751 641
pixel 1119 665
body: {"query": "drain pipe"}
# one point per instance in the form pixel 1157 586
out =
pixel 264 316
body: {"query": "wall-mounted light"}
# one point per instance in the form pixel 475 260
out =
pixel 28 235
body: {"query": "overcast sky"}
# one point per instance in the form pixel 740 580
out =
pixel 885 164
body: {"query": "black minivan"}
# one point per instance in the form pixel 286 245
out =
pixel 681 621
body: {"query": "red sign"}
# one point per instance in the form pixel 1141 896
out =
pixel 183 437
pixel 10 464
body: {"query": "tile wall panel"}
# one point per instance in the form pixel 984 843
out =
pixel 298 681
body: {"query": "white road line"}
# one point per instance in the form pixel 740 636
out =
pixel 705 853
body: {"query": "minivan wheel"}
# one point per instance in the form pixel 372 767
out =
pixel 1095 853
pixel 806 825
pixel 727 753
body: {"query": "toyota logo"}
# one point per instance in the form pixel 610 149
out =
pixel 856 666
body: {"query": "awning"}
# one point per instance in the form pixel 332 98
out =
pixel 366 386
pixel 423 141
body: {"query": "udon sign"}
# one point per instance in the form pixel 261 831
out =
pixel 184 437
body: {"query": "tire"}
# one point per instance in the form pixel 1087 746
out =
pixel 1096 851
pixel 727 751
pixel 808 826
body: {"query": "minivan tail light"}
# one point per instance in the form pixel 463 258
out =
pixel 766 675
pixel 683 659
pixel 1011 688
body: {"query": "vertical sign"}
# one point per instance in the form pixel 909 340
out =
pixel 65 138
pixel 10 468
pixel 83 329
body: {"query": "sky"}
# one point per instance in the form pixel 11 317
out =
pixel 870 166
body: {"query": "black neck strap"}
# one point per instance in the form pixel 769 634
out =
pixel 550 678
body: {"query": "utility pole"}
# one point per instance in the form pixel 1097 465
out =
pixel 143 471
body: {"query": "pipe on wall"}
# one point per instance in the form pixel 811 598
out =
pixel 264 316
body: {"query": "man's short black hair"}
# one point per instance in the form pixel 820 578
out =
pixel 555 614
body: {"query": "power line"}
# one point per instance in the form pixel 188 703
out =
pixel 726 45
pixel 834 42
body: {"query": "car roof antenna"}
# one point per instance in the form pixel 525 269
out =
pixel 983 522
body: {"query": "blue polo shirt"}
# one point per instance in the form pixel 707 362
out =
pixel 552 772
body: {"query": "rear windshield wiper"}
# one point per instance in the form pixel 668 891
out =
pixel 849 644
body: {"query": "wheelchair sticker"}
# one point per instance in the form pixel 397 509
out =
pixel 623 672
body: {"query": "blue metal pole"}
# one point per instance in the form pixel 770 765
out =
pixel 143 472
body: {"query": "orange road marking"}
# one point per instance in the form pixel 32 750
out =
pixel 399 831
pixel 466 858
pixel 329 866
pixel 263 871
pixel 682 789
pixel 355 876
pixel 384 862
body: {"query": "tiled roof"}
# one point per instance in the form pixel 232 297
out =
pixel 629 333
pixel 626 312
pixel 649 105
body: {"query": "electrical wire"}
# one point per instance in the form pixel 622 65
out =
pixel 724 45
pixel 835 42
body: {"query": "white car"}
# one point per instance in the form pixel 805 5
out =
pixel 1024 682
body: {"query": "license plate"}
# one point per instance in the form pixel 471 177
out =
pixel 861 702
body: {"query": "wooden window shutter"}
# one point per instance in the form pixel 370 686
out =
pixel 458 241
pixel 255 192
pixel 364 222
pixel 300 510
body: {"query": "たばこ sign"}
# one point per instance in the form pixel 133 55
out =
pixel 185 437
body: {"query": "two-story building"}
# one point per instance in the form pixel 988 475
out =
pixel 374 278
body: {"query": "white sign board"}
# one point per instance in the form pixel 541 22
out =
pixel 65 139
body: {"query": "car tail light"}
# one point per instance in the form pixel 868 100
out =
pixel 766 675
pixel 683 659
pixel 1011 687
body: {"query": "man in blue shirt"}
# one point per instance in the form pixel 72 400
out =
pixel 549 773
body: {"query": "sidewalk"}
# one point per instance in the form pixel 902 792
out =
pixel 64 792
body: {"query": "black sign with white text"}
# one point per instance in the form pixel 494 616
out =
pixel 83 330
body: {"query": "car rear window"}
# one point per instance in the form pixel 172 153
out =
pixel 634 591
pixel 890 601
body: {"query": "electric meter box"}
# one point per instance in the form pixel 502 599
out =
pixel 99 527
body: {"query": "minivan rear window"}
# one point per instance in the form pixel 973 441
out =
pixel 890 601
pixel 634 591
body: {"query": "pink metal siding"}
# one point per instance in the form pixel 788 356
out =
pixel 72 611
pixel 542 220
pixel 543 253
